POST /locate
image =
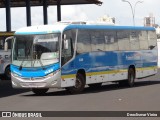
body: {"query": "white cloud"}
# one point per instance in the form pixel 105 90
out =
pixel 18 17
pixel 2 20
pixel 37 15
pixel 73 13
pixel 52 14
pixel 68 10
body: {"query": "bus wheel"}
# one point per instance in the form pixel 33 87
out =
pixel 40 91
pixel 79 85
pixel 131 77
pixel 130 81
pixel 7 73
pixel 95 85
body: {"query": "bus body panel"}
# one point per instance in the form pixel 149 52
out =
pixel 111 66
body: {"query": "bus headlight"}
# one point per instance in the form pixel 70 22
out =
pixel 50 75
pixel 53 73
pixel 14 74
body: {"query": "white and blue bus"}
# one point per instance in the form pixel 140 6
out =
pixel 71 56
pixel 5 54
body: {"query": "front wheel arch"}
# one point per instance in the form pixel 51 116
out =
pixel 7 72
pixel 79 83
pixel 82 72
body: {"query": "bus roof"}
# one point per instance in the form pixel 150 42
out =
pixel 58 28
pixel 40 29
pixel 109 27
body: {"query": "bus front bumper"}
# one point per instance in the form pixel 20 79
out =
pixel 50 81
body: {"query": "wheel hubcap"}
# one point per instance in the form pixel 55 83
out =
pixel 132 78
pixel 78 83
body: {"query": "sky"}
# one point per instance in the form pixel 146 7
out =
pixel 113 8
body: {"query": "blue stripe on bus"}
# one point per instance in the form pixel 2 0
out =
pixel 34 72
pixel 109 27
pixel 36 33
pixel 111 60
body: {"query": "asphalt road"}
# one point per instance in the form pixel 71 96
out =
pixel 144 96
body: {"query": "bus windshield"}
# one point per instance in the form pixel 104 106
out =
pixel 36 50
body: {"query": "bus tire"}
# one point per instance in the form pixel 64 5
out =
pixel 79 85
pixel 130 81
pixel 95 85
pixel 131 77
pixel 40 91
pixel 7 73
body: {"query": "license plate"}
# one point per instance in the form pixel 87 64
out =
pixel 33 84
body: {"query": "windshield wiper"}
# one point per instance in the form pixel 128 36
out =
pixel 40 63
pixel 20 67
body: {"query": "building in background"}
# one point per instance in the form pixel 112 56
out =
pixel 149 21
pixel 106 19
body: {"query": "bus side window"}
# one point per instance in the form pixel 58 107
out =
pixel 143 39
pixel 97 40
pixel 123 39
pixel 152 40
pixel 83 41
pixel 111 42
pixel 134 40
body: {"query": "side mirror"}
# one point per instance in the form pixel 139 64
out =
pixel 6 43
pixel 6 46
pixel 151 47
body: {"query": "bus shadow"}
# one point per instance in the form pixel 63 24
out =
pixel 7 90
pixel 103 88
pixel 112 87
